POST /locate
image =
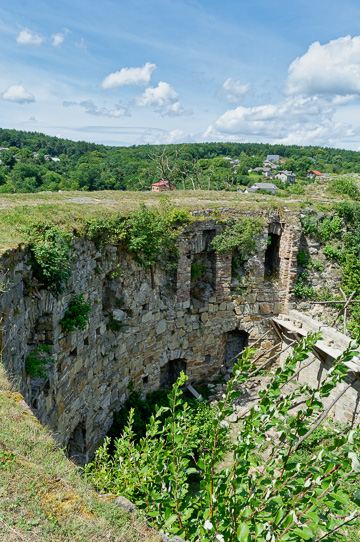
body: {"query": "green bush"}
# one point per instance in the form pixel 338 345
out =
pixel 302 257
pixel 50 255
pixel 301 289
pixel 76 317
pixel 280 497
pixel 240 236
pixel 197 270
pixel 345 186
pixel 333 253
pixel 201 417
pixel 37 359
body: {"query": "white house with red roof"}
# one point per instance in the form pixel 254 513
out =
pixel 314 173
pixel 162 186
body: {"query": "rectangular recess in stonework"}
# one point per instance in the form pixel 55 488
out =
pixel 272 257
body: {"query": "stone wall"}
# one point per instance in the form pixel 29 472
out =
pixel 163 329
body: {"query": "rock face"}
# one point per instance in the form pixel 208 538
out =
pixel 135 332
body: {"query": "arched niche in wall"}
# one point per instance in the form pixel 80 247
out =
pixel 76 448
pixel 170 372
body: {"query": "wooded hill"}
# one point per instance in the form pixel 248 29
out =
pixel 32 162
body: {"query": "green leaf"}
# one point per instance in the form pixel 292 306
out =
pixel 243 532
pixel 304 532
pixel 170 520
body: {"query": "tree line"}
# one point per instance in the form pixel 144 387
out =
pixel 28 165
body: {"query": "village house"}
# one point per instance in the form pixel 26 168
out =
pixel 162 186
pixel 286 176
pixel 269 187
pixel 268 163
pixel 313 173
pixel 273 157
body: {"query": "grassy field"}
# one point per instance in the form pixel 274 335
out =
pixel 42 495
pixel 17 210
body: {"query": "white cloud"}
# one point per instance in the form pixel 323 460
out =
pixel 118 111
pixel 129 76
pixel 165 138
pixel 164 98
pixel 295 120
pixel 233 91
pixel 332 68
pixel 57 39
pixel 26 37
pixel 18 94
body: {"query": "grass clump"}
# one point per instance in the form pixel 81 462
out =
pixel 42 494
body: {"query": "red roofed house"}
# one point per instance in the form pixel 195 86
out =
pixel 283 160
pixel 313 173
pixel 162 186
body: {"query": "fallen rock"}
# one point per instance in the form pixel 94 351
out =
pixel 232 418
pixel 124 503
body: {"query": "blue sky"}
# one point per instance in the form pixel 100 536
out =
pixel 155 71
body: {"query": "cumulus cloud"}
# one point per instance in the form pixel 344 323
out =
pixel 118 111
pixel 57 39
pixel 164 98
pixel 26 37
pixel 18 94
pixel 332 68
pixel 233 91
pixel 295 120
pixel 129 76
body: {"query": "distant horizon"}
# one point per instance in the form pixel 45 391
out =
pixel 187 71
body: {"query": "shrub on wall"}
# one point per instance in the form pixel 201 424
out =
pixel 76 317
pixel 240 236
pixel 50 255
pixel 36 361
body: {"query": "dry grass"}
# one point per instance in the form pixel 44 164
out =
pixel 42 495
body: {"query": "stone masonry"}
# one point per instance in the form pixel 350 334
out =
pixel 162 330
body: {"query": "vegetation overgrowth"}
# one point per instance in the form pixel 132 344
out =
pixel 280 498
pixel 37 360
pixel 338 229
pixel 76 316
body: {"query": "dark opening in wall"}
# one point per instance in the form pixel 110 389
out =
pixel 272 258
pixel 236 341
pixel 170 372
pixel 76 447
pixel 202 276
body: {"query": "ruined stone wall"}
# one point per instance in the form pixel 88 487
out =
pixel 163 329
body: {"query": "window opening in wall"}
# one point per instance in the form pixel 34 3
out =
pixel 272 257
pixel 170 372
pixel 145 379
pixel 235 343
pixel 76 447
pixel 207 358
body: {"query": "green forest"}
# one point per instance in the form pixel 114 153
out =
pixel 33 162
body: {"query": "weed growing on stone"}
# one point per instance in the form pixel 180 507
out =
pixel 76 317
pixel 36 361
